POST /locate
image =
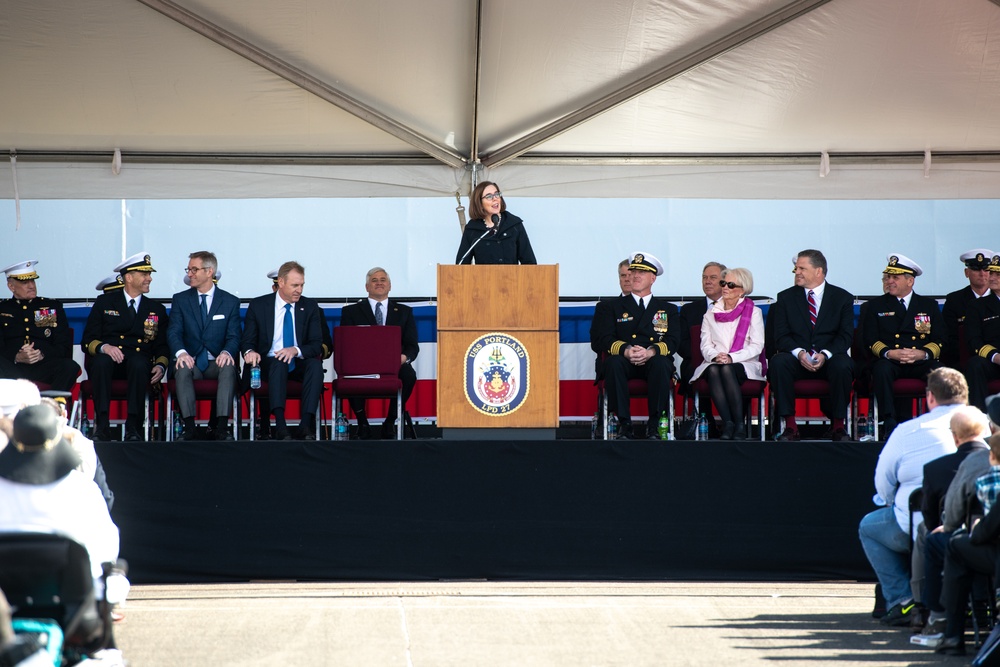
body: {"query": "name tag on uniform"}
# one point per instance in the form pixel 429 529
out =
pixel 220 316
pixel 891 313
pixel 113 313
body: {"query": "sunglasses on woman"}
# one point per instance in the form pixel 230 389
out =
pixel 723 283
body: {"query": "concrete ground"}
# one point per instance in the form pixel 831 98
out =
pixel 442 624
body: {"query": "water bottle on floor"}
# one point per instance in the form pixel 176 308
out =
pixel 593 427
pixel 702 427
pixel 612 426
pixel 341 431
pixel 663 428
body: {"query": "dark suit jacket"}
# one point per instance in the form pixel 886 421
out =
pixel 957 307
pixel 222 331
pixel 397 314
pixel 937 478
pixel 691 314
pixel 622 324
pixel 41 321
pixel 109 322
pixel 982 327
pixel 886 328
pixel 258 329
pixel 834 330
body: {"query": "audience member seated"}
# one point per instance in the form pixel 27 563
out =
pixel 813 332
pixel 885 532
pixel 732 338
pixel 905 333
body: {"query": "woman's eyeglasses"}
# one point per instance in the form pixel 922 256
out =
pixel 491 196
pixel 723 283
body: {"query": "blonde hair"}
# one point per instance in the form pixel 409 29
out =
pixel 740 277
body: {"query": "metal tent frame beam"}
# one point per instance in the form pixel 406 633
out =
pixel 662 75
pixel 307 82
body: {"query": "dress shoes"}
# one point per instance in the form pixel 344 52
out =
pixel 840 434
pixel 102 435
pixel 364 429
pixel 740 433
pixel 389 430
pixel 727 431
pixel 224 435
pixel 132 435
pixel 788 435
pixel 282 434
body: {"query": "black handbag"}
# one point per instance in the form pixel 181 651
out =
pixel 687 429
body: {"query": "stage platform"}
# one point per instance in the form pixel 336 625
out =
pixel 432 509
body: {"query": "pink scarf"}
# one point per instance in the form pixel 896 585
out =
pixel 743 311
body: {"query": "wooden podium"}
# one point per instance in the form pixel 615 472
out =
pixel 498 351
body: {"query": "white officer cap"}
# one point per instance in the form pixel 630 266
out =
pixel 137 262
pixel 22 270
pixel 112 282
pixel 273 275
pixel 977 258
pixel 898 264
pixel 643 261
pixel 16 394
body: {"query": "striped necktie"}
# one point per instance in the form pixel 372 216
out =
pixel 812 308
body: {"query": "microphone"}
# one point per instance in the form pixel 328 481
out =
pixel 495 219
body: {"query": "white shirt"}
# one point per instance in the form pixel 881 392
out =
pixel 645 299
pixel 279 327
pixel 72 506
pixel 900 467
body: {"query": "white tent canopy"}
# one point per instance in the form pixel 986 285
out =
pixel 795 99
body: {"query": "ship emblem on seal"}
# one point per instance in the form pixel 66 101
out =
pixel 496 374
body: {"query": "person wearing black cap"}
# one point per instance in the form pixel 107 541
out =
pixel 982 333
pixel 42 490
pixel 639 333
pixel 494 235
pixel 125 338
pixel 905 334
pixel 37 344
pixel 958 304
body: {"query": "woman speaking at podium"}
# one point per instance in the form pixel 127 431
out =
pixel 494 235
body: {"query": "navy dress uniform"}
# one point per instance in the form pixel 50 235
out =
pixel 654 326
pixel 888 326
pixel 141 337
pixel 29 321
pixel 958 304
pixel 982 332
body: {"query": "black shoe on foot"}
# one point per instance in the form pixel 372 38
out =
pixel 901 614
pixel 951 646
pixel 388 430
pixel 282 434
pixel 740 433
pixel 788 435
pixel 727 431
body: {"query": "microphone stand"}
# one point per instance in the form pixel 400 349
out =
pixel 485 234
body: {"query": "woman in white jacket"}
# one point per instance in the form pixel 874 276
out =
pixel 732 339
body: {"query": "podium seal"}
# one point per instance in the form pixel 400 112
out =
pixel 496 374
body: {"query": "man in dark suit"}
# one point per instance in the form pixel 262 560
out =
pixel 982 331
pixel 377 310
pixel 905 334
pixel 125 338
pixel 283 334
pixel 813 332
pixel 35 340
pixel 639 332
pixel 624 286
pixel 958 304
pixel 204 337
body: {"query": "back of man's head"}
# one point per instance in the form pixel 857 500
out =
pixel 969 423
pixel 994 443
pixel 948 386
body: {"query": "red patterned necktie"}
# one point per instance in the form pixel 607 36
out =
pixel 812 308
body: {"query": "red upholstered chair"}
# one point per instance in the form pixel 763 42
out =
pixel 366 360
pixel 816 388
pixel 750 389
pixel 913 389
pixel 204 390
pixel 293 392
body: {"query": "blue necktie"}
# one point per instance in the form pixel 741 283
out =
pixel 288 333
pixel 201 359
pixel 378 314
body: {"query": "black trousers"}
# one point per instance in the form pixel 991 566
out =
pixel 978 373
pixel 885 372
pixel 784 369
pixel 60 373
pixel 657 372
pixel 307 371
pixel 135 369
pixel 409 378
pixel 962 563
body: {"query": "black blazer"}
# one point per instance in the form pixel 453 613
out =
pixel 622 324
pixel 958 305
pixel 397 314
pixel 510 244
pixel 258 328
pixel 982 327
pixel 110 322
pixel 886 328
pixel 834 330
pixel 938 475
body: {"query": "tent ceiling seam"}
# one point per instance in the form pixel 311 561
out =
pixel 657 78
pixel 307 82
